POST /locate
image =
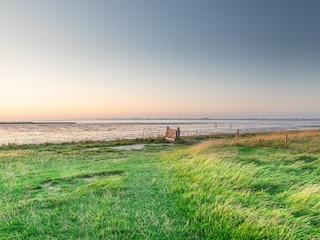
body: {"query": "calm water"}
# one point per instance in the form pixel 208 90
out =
pixel 138 128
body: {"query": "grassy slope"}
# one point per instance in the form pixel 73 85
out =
pixel 257 188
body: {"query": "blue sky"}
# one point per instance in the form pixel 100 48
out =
pixel 87 59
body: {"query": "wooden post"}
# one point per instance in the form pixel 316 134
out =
pixel 236 137
pixel 286 139
pixel 178 134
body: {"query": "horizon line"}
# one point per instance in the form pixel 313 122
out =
pixel 152 118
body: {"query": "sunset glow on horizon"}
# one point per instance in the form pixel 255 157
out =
pixel 63 60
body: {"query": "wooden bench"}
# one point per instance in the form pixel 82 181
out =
pixel 172 135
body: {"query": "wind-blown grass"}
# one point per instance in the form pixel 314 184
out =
pixel 259 187
pixel 256 188
pixel 303 141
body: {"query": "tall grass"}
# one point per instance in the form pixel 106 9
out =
pixel 256 188
pixel 303 141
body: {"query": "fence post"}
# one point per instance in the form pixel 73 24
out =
pixel 286 139
pixel 178 134
pixel 236 137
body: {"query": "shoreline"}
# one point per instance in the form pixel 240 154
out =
pixel 284 134
pixel 37 132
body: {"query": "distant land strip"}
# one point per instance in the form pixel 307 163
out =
pixel 37 123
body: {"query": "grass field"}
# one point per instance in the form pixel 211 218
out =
pixel 261 186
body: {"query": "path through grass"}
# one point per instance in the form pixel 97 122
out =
pixel 86 192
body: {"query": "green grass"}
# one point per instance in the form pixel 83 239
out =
pixel 255 188
pixel 241 192
pixel 90 191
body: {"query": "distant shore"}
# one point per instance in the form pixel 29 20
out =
pixel 37 123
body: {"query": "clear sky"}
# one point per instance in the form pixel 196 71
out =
pixel 170 58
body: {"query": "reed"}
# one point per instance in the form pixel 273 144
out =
pixel 303 140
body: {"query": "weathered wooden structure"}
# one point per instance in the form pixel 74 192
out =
pixel 172 135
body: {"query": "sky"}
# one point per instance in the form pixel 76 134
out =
pixel 80 59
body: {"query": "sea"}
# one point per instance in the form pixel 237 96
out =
pixel 113 129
